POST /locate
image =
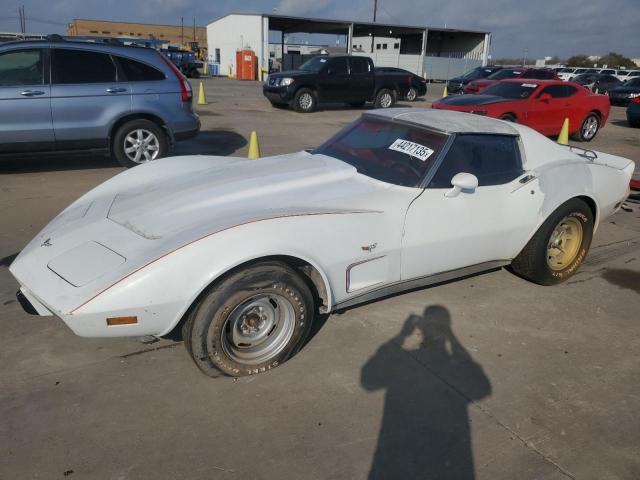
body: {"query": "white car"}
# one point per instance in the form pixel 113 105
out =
pixel 244 254
pixel 624 75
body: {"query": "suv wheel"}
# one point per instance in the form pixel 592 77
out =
pixel 304 101
pixel 139 141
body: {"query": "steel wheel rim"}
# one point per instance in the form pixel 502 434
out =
pixel 565 243
pixel 141 146
pixel 306 101
pixel 385 100
pixel 411 94
pixel 258 329
pixel 590 127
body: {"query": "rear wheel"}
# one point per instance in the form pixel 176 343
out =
pixel 251 322
pixel 412 95
pixel 589 128
pixel 139 141
pixel 384 99
pixel 559 246
pixel 304 101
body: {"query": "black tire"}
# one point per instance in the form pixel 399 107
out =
pixel 411 95
pixel 385 98
pixel 508 117
pixel 357 104
pixel 533 262
pixel 208 330
pixel 118 144
pixel 583 136
pixel 305 101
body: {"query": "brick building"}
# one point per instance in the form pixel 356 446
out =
pixel 174 34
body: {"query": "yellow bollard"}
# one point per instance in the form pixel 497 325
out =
pixel 254 147
pixel 563 138
pixel 445 93
pixel 201 98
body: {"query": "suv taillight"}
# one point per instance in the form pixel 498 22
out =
pixel 185 87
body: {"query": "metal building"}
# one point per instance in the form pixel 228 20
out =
pixel 437 53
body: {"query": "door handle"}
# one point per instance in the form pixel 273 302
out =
pixel 31 93
pixel 115 90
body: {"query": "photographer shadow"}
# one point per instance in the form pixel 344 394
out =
pixel 425 431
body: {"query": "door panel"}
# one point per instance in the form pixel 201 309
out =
pixel 86 98
pixel 25 102
pixel 442 234
pixel 334 81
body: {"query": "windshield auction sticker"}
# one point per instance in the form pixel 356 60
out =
pixel 410 148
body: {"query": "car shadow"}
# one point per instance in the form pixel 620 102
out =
pixel 623 278
pixel 209 142
pixel 429 380
pixel 620 123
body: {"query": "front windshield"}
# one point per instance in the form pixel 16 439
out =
pixel 391 152
pixel 566 70
pixel 634 82
pixel 512 90
pixel 584 77
pixel 313 64
pixel 477 73
pixel 505 73
pixel 581 70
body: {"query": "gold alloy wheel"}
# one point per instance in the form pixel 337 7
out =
pixel 564 244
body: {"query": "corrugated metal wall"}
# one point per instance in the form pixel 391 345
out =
pixel 444 68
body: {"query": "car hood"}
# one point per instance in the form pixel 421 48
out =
pixel 234 190
pixel 473 100
pixel 483 83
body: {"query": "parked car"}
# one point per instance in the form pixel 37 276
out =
pixel 399 199
pixel 456 85
pixel 58 96
pixel 332 79
pixel 186 61
pixel 540 104
pixel 478 86
pixel 624 75
pixel 599 82
pixel 607 71
pixel 626 92
pixel 633 112
pixel 566 73
pixel 408 85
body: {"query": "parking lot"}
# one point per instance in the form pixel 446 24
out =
pixel 500 379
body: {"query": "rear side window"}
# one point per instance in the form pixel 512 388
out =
pixel 139 72
pixel 360 65
pixel 559 91
pixel 78 66
pixel 21 67
pixel 494 159
pixel 338 66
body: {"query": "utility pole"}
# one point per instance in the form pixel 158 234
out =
pixel 375 12
pixel 181 31
pixel 194 29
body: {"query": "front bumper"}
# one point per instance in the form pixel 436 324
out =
pixel 455 88
pixel 278 94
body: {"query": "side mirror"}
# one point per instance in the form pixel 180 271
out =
pixel 462 181
pixel 545 97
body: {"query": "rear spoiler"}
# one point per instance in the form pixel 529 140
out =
pixel 583 152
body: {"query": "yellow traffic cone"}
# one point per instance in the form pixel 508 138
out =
pixel 445 93
pixel 563 138
pixel 254 147
pixel 201 98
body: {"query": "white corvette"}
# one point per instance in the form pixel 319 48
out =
pixel 243 254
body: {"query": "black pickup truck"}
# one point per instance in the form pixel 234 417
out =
pixel 332 79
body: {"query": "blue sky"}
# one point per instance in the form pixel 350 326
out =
pixel 543 27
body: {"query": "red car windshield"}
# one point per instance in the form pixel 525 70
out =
pixel 387 151
pixel 512 90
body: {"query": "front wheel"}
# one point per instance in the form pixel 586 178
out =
pixel 251 322
pixel 139 141
pixel 384 99
pixel 559 246
pixel 304 101
pixel 589 128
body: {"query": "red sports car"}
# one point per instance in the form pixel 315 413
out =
pixel 478 86
pixel 540 104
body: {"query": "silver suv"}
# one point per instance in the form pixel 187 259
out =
pixel 59 95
